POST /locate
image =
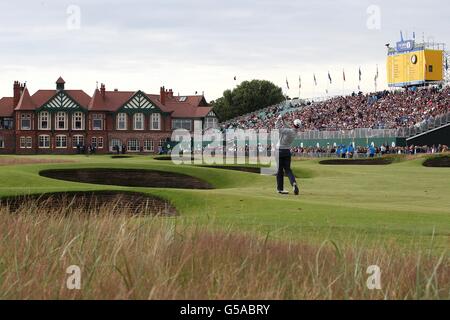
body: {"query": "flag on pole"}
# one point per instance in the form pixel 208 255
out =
pixel 315 80
pixel 360 74
pixel 343 74
pixel 299 82
pixel 329 77
pixel 287 83
pixel 376 79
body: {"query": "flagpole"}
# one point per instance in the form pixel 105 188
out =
pixel 299 87
pixel 314 88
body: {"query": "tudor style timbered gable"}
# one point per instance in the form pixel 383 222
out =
pixel 61 102
pixel 139 103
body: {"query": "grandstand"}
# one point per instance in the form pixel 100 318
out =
pixel 379 118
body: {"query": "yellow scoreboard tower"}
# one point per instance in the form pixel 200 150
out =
pixel 411 64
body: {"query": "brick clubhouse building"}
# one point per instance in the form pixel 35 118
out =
pixel 64 121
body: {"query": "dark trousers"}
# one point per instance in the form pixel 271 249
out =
pixel 284 166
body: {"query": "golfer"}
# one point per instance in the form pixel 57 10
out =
pixel 283 154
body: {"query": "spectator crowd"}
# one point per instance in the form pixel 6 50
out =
pixel 382 110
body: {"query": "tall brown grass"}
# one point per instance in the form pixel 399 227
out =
pixel 126 257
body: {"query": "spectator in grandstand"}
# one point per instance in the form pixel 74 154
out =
pixel 382 110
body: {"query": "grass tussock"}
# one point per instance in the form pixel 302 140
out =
pixel 126 257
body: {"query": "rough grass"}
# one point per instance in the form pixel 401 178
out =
pixel 157 258
pixel 12 161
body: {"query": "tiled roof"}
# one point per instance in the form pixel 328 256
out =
pixel 43 96
pixel 25 102
pixel 60 81
pixel 6 107
pixel 192 107
pixel 111 101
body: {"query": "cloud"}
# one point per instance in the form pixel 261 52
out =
pixel 199 45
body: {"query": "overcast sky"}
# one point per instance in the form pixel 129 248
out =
pixel 199 45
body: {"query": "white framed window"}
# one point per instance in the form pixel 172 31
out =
pixel 211 123
pixel 148 146
pixel 97 121
pixel 61 120
pixel 77 140
pixel 44 142
pixel 94 142
pixel 138 121
pixel 2 142
pixel 122 121
pixel 61 142
pixel 25 121
pixel 155 121
pixel 44 120
pixel 78 121
pixel 182 124
pixel 22 142
pixel 133 145
pixel 26 142
pixel 100 142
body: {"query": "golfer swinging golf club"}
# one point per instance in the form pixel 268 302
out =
pixel 283 153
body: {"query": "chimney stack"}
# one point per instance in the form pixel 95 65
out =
pixel 103 90
pixel 162 95
pixel 170 94
pixel 17 93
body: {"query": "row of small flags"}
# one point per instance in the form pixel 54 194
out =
pixel 330 79
pixel 343 75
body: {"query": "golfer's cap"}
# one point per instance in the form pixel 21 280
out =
pixel 297 123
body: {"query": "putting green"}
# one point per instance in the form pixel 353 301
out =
pixel 402 203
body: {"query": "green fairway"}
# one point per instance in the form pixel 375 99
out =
pixel 403 203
